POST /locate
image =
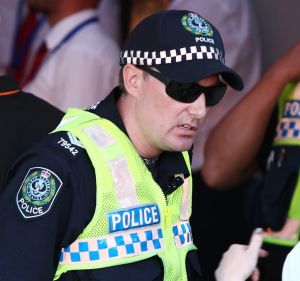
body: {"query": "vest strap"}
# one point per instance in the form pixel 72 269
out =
pixel 185 201
pixel 111 152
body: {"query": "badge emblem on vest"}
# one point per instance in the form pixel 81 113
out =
pixel 138 216
pixel 196 24
pixel 37 192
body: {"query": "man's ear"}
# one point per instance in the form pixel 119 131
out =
pixel 132 77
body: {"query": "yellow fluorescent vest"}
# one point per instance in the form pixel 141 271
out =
pixel 288 134
pixel 133 219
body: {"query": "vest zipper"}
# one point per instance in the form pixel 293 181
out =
pixel 170 245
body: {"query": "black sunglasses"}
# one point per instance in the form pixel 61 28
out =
pixel 188 92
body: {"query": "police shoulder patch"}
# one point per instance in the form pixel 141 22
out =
pixel 37 192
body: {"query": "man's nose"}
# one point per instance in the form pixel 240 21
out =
pixel 198 107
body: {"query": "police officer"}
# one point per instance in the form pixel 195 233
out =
pixel 278 196
pixel 107 196
pixel 276 200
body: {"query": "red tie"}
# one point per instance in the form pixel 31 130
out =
pixel 36 64
pixel 22 46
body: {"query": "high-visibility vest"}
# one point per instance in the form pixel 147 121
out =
pixel 288 134
pixel 133 219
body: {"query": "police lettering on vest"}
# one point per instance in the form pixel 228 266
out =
pixel 292 109
pixel 133 217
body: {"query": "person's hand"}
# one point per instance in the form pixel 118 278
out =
pixel 239 262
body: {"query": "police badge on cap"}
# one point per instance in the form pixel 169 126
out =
pixel 196 24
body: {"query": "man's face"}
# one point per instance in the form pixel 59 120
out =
pixel 166 124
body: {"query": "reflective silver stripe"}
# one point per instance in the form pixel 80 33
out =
pixel 99 136
pixel 123 182
pixel 185 201
pixel 112 246
pixel 124 185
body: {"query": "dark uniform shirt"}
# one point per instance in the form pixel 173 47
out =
pixel 25 119
pixel 30 247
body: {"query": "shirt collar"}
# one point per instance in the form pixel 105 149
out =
pixel 60 30
pixel 170 163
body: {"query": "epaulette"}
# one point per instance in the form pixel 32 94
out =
pixel 68 144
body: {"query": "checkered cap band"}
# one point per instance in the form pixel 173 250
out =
pixel 288 128
pixel 182 234
pixel 171 56
pixel 100 249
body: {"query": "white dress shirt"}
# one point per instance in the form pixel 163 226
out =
pixel 109 12
pixel 291 268
pixel 81 71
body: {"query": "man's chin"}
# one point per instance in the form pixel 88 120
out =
pixel 181 147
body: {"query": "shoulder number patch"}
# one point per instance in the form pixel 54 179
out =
pixel 37 192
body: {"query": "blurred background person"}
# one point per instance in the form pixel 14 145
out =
pixel 267 167
pixel 8 16
pixel 77 61
pixel 25 119
pixel 21 32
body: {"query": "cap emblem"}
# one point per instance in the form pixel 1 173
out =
pixel 196 24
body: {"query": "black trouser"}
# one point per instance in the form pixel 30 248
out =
pixel 217 222
pixel 271 266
